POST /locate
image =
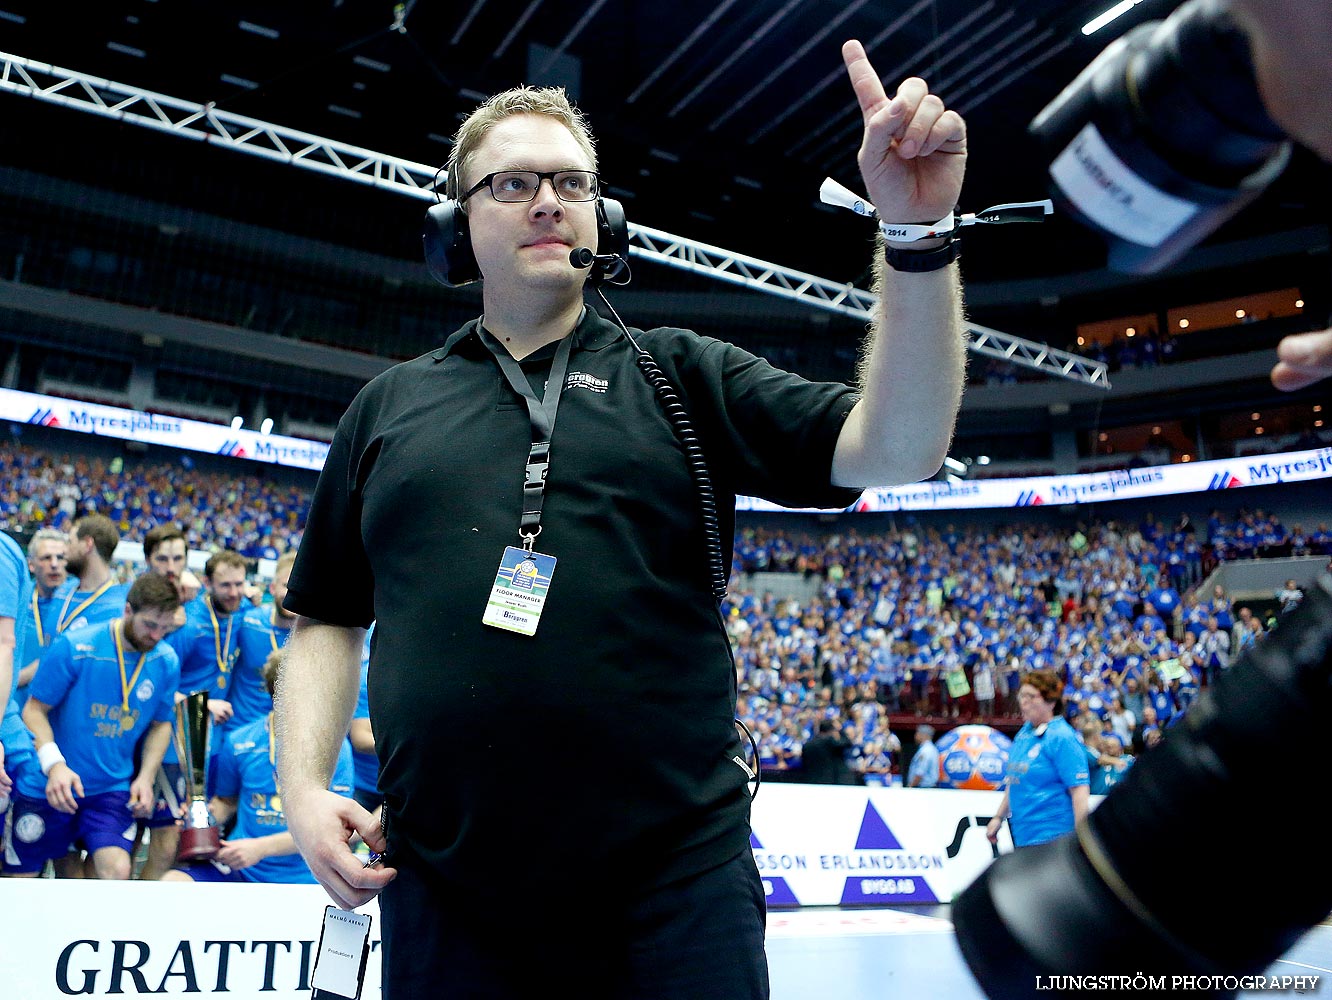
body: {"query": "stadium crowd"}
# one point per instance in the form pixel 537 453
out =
pixel 941 623
pixel 246 514
pixel 910 623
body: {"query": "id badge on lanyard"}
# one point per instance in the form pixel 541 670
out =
pixel 523 579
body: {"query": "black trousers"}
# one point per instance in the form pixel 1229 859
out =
pixel 698 939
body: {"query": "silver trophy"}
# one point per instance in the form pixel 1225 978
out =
pixel 200 838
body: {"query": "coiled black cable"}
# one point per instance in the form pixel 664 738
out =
pixel 678 417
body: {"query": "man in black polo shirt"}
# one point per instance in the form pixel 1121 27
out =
pixel 620 868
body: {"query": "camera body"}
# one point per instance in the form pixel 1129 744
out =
pixel 1162 137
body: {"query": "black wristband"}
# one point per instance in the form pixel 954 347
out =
pixel 922 261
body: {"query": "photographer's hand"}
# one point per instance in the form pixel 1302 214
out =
pixel 1290 40
pixel 1305 358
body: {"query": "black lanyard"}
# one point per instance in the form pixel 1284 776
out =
pixel 542 415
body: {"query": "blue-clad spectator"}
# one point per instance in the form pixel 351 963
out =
pixel 924 769
pixel 1046 788
pixel 1106 776
pixel 1164 597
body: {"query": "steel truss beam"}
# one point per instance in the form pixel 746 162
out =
pixel 848 300
pixel 203 122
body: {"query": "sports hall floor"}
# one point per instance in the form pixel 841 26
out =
pixel 829 953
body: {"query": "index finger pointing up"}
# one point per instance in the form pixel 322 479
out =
pixel 866 83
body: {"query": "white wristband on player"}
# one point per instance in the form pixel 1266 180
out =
pixel 49 756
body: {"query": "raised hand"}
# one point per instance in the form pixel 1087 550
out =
pixel 914 151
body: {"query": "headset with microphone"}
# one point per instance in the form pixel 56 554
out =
pixel 448 245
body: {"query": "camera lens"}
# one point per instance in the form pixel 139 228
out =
pixel 1147 884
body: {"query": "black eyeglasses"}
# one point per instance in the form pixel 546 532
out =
pixel 522 185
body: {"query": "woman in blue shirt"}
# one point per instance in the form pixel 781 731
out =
pixel 1046 789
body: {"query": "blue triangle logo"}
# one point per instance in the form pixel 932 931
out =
pixel 778 893
pixel 874 833
pixel 776 890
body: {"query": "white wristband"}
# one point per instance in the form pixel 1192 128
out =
pixel 49 756
pixel 910 232
pixel 832 193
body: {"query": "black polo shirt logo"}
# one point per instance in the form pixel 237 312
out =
pixel 585 381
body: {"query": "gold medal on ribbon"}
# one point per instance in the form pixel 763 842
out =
pixel 126 684
pixel 221 648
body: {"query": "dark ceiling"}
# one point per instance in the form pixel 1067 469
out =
pixel 716 119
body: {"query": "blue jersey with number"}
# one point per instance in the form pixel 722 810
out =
pixel 1043 764
pixel 248 694
pixel 245 771
pixel 80 678
pixel 16 603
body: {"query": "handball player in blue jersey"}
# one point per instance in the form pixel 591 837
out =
pixel 15 599
pixel 259 848
pixel 208 645
pixel 166 551
pixel 89 595
pixel 263 631
pixel 98 690
pixel 96 597
pixel 46 562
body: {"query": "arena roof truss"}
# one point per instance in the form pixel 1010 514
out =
pixel 203 122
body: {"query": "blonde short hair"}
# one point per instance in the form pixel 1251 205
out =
pixel 46 535
pixel 552 102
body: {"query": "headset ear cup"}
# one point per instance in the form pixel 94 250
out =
pixel 448 245
pixel 612 229
pixel 612 237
